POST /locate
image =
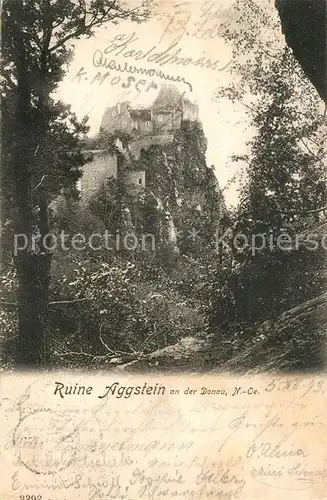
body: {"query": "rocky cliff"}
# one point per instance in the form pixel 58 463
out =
pixel 182 201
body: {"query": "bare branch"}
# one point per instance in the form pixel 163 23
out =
pixel 73 301
pixel 42 179
pixel 56 302
pixel 85 29
pixel 304 212
pixel 103 342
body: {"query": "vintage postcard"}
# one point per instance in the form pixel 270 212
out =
pixel 163 250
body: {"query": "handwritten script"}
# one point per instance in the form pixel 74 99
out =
pixel 180 21
pixel 189 438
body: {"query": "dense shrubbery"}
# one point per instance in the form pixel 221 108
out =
pixel 125 310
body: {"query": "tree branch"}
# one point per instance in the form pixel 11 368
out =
pixel 73 301
pixel 9 304
pixel 6 76
pixel 84 28
pixel 304 212
pixel 56 302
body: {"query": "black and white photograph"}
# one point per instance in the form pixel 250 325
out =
pixel 164 196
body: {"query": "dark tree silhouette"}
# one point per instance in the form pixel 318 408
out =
pixel 304 26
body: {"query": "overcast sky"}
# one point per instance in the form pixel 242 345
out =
pixel 225 124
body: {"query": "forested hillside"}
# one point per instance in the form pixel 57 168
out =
pixel 112 305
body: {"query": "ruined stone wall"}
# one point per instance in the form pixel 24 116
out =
pixel 146 142
pixel 96 173
pixel 135 179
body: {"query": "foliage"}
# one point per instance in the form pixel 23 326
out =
pixel 107 307
pixel 41 154
pixel 134 302
pixel 126 311
pixel 284 191
pixel 106 140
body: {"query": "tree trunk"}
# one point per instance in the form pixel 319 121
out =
pixel 33 270
pixel 34 278
pixel 32 265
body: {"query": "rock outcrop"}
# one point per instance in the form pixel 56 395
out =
pixel 296 341
pixel 189 354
